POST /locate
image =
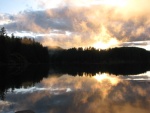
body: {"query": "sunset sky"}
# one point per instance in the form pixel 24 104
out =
pixel 79 23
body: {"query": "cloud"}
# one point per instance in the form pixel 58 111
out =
pixel 88 22
pixel 141 44
pixel 6 19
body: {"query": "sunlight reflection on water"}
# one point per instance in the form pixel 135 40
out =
pixel 77 94
pixel 101 77
pixel 142 77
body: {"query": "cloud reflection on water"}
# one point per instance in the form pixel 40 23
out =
pixel 69 94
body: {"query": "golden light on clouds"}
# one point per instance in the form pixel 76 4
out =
pixel 104 40
pixel 103 24
pixel 118 3
pixel 49 3
pixel 83 23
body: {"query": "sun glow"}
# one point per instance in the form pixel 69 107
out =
pixel 105 45
pixel 119 3
pixel 102 77
pixel 104 40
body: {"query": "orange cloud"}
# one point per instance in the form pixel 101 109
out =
pixel 92 22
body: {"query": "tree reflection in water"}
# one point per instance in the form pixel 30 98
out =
pixel 20 76
pixel 85 94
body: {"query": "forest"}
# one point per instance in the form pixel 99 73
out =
pixel 21 51
pixel 17 50
pixel 118 55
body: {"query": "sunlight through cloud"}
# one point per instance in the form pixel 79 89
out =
pixel 99 23
pixel 119 3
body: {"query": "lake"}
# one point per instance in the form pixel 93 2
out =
pixel 81 89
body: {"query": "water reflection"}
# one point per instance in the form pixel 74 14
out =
pixel 69 89
pixel 12 77
pixel 116 69
pixel 102 93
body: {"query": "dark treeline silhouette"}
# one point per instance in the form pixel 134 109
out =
pixel 122 55
pixel 16 50
pixel 117 61
pixel 19 62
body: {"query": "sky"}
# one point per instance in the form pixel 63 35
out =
pixel 79 23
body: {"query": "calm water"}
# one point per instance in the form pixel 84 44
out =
pixel 58 92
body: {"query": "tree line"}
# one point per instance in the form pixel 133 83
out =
pixel 120 55
pixel 17 50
